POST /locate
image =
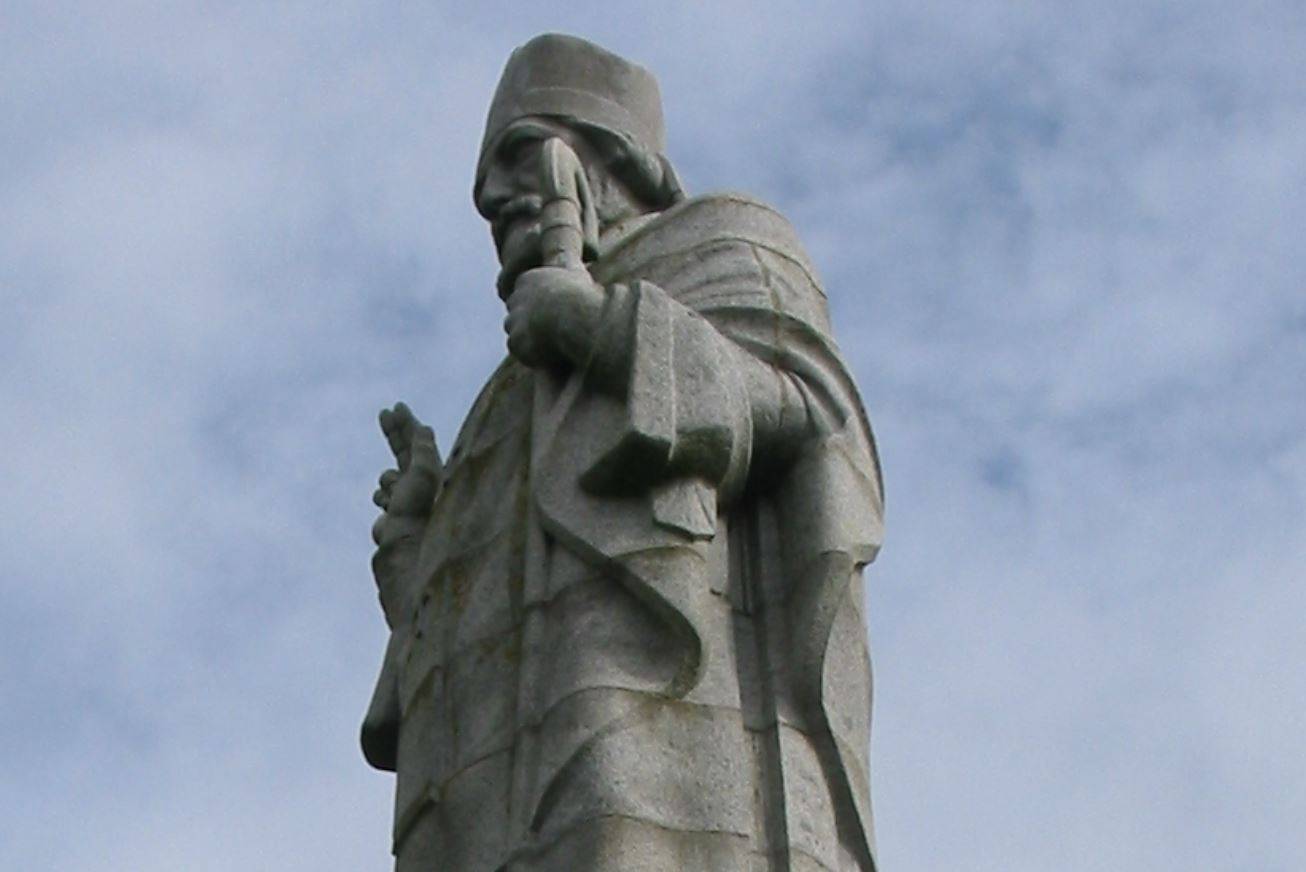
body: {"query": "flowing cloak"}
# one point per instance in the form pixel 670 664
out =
pixel 635 628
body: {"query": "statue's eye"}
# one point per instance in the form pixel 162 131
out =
pixel 516 147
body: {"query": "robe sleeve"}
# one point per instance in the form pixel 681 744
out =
pixel 722 381
pixel 392 568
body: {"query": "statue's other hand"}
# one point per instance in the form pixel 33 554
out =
pixel 553 314
pixel 408 491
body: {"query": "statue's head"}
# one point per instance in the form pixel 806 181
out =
pixel 606 108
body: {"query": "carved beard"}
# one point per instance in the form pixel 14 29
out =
pixel 612 202
pixel 521 251
pixel 517 237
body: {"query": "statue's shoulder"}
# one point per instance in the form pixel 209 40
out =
pixel 711 221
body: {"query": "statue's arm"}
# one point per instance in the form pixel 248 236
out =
pixel 393 565
pixel 722 391
pixel 405 496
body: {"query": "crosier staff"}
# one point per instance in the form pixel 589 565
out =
pixel 568 222
pixel 568 228
pixel 568 225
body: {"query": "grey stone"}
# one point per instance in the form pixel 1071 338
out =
pixel 627 628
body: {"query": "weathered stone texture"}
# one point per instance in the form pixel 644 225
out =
pixel 627 613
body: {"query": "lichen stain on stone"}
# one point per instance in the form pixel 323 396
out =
pixel 512 649
pixel 460 587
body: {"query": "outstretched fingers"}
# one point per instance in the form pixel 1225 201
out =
pixel 424 456
pixel 397 424
pixel 410 489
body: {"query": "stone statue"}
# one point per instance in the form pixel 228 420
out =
pixel 626 614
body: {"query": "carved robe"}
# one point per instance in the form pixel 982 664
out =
pixel 636 627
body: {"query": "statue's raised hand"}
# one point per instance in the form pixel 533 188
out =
pixel 406 493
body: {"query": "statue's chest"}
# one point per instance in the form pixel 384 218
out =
pixel 472 556
pixel 487 466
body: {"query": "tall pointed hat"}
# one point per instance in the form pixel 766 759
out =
pixel 573 79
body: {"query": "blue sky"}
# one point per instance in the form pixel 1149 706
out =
pixel 1062 246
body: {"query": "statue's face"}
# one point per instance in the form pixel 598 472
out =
pixel 510 193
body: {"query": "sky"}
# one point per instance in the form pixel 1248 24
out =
pixel 1062 246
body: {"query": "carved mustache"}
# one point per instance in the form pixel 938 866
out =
pixel 525 206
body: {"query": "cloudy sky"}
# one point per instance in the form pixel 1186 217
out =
pixel 1062 243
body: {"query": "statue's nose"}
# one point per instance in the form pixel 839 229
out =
pixel 495 192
